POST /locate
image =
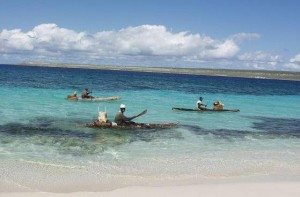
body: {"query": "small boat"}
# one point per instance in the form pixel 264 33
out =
pixel 110 125
pixel 205 110
pixel 100 99
pixel 94 99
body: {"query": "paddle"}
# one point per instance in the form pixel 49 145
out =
pixel 140 114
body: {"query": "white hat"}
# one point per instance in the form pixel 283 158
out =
pixel 122 106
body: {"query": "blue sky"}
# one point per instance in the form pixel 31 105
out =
pixel 204 34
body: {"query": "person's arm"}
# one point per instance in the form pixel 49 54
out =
pixel 199 105
pixel 124 118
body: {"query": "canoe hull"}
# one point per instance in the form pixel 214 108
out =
pixel 96 124
pixel 205 110
pixel 95 99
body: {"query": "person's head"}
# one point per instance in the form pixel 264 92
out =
pixel 200 98
pixel 75 93
pixel 122 108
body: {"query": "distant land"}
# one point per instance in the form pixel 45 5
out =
pixel 263 74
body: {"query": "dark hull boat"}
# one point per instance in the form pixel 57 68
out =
pixel 205 110
pixel 97 124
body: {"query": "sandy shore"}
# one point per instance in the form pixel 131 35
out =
pixel 272 189
pixel 263 74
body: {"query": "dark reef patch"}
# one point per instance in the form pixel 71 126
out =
pixel 266 128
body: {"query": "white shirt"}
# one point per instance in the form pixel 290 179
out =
pixel 198 102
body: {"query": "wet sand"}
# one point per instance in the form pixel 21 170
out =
pixel 262 74
pixel 274 189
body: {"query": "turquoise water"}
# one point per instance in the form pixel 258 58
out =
pixel 42 138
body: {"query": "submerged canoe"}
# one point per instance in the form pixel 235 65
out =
pixel 95 99
pixel 205 110
pixel 96 124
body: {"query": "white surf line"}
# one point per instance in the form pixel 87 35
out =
pixel 50 164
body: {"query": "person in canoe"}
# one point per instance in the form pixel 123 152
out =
pixel 199 103
pixel 121 119
pixel 85 94
pixel 72 96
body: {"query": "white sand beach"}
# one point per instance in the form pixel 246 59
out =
pixel 265 189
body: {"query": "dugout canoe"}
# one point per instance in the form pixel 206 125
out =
pixel 100 99
pixel 95 99
pixel 109 125
pixel 205 110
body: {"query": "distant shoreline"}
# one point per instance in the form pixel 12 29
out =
pixel 262 74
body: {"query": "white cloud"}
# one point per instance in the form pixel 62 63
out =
pixel 296 59
pixel 227 49
pixel 240 37
pixel 152 40
pixel 260 60
pixel 294 63
pixel 151 45
pixel 14 40
pixel 144 40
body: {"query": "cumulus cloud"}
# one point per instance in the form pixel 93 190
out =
pixel 144 40
pixel 14 40
pixel 296 59
pixel 260 56
pixel 260 60
pixel 294 63
pixel 139 45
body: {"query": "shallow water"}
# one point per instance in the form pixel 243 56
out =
pixel 42 138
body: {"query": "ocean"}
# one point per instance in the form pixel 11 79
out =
pixel 45 147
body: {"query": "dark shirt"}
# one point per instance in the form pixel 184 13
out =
pixel 85 94
pixel 121 118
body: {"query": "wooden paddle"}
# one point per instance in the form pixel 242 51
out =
pixel 140 114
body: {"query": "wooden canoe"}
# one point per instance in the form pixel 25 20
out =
pixel 94 99
pixel 205 110
pixel 100 99
pixel 109 125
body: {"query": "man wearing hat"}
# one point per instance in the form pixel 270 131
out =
pixel 120 118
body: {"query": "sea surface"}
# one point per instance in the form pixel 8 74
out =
pixel 45 147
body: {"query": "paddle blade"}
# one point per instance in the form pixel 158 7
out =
pixel 142 113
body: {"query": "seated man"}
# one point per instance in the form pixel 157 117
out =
pixel 120 118
pixel 199 104
pixel 85 93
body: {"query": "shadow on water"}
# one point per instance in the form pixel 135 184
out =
pixel 280 127
pixel 266 128
pixel 69 136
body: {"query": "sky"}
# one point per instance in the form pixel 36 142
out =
pixel 227 34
